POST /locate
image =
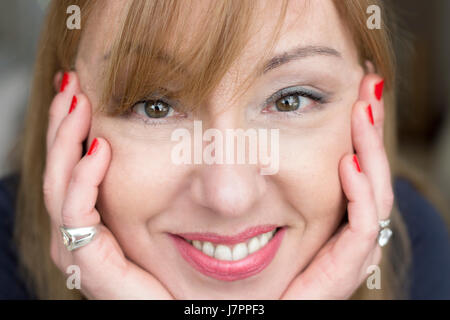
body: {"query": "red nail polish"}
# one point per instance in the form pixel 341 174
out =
pixel 379 89
pixel 64 82
pixel 73 104
pixel 369 112
pixel 93 147
pixel 355 160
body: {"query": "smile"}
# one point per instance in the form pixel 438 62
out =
pixel 230 258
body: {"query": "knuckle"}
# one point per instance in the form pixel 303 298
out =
pixel 379 116
pixel 52 115
pixel 102 257
pixel 103 248
pixel 371 233
pixel 54 111
pixel 379 119
pixel 77 177
pixel 108 253
pixel 378 144
pixel 63 135
pixel 67 217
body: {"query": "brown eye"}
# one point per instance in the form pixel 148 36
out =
pixel 288 103
pixel 153 109
pixel 156 109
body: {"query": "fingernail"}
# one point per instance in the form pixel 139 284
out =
pixel 93 147
pixel 355 160
pixel 73 104
pixel 379 89
pixel 370 114
pixel 64 82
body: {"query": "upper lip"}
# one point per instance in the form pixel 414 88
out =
pixel 217 238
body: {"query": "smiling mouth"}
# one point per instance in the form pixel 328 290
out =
pixel 238 251
pixel 230 258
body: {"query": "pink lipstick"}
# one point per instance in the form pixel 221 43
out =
pixel 229 270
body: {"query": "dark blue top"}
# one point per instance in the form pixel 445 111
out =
pixel 429 274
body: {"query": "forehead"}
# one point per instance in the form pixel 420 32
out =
pixel 307 23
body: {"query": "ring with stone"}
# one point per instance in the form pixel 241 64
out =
pixel 385 233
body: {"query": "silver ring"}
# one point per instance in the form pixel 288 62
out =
pixel 74 238
pixel 385 233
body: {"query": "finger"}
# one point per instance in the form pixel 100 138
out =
pixel 371 90
pixel 372 260
pixel 59 254
pixel 104 270
pixel 81 197
pixel 108 274
pixel 373 159
pixel 345 267
pixel 102 262
pixel 60 106
pixel 376 256
pixel 339 267
pixel 362 213
pixel 65 154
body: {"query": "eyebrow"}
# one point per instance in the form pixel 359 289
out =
pixel 299 53
pixel 280 59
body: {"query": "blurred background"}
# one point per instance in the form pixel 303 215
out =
pixel 423 95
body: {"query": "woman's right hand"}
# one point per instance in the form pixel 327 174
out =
pixel 70 187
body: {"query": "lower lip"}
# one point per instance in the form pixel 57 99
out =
pixel 230 270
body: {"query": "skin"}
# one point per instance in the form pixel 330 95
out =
pixel 141 195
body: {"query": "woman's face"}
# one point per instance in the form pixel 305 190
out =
pixel 145 196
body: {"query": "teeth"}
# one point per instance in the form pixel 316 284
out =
pixel 253 245
pixel 236 252
pixel 208 248
pixel 240 251
pixel 263 239
pixel 197 244
pixel 223 253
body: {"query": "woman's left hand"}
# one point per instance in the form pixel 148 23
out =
pixel 341 265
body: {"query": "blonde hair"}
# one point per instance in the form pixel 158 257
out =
pixel 144 32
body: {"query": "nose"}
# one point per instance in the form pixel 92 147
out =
pixel 228 190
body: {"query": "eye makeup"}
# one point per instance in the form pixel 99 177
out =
pixel 304 93
pixel 300 91
pixel 308 100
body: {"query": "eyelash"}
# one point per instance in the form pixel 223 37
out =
pixel 269 102
pixel 318 99
pixel 154 121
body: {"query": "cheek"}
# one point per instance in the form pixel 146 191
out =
pixel 139 183
pixel 309 172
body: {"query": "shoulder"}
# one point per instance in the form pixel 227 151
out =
pixel 12 285
pixel 430 243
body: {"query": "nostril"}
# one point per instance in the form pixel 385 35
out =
pixel 228 190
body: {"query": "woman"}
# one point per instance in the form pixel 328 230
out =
pixel 99 152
